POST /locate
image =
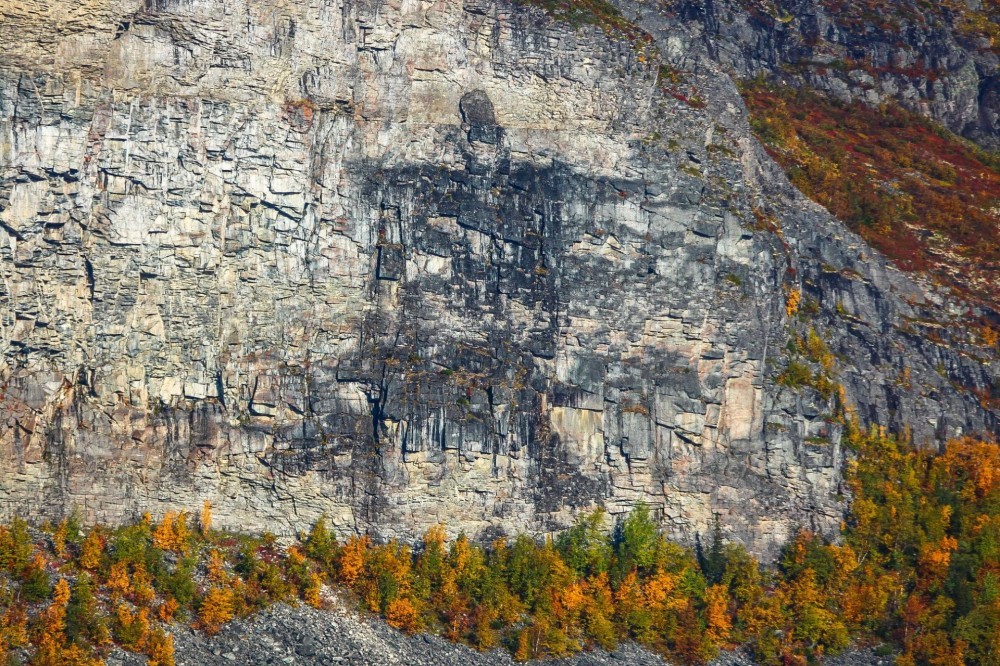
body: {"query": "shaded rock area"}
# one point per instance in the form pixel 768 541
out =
pixel 404 262
pixel 304 636
pixel 935 59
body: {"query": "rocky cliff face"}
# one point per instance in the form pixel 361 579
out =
pixel 404 262
pixel 939 59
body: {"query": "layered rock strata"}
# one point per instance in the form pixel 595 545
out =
pixel 405 262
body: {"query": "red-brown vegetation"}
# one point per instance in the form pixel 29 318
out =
pixel 927 199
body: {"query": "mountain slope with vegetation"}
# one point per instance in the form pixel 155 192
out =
pixel 924 198
pixel 508 304
pixel 917 568
pixel 937 59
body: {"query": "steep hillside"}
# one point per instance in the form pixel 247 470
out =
pixel 938 59
pixel 923 198
pixel 406 262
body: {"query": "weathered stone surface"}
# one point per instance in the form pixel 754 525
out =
pixel 928 59
pixel 403 262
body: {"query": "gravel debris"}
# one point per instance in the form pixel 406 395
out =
pixel 303 636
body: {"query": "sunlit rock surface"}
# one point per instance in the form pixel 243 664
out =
pixel 409 262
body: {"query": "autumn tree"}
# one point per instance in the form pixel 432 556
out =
pixel 92 549
pixel 215 609
pixel 172 534
pixel 205 519
pixel 84 622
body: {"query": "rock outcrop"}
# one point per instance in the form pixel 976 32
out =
pixel 939 59
pixel 403 261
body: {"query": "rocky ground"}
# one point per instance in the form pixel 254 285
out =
pixel 305 636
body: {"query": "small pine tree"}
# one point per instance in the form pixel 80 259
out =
pixel 714 562
pixel 35 583
pixel 83 621
pixel 15 546
pixel 321 546
pixel 311 590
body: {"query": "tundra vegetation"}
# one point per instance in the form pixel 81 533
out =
pixel 916 568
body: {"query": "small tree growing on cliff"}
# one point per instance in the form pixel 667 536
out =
pixel 321 546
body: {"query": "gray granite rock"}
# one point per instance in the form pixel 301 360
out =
pixel 927 59
pixel 403 262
